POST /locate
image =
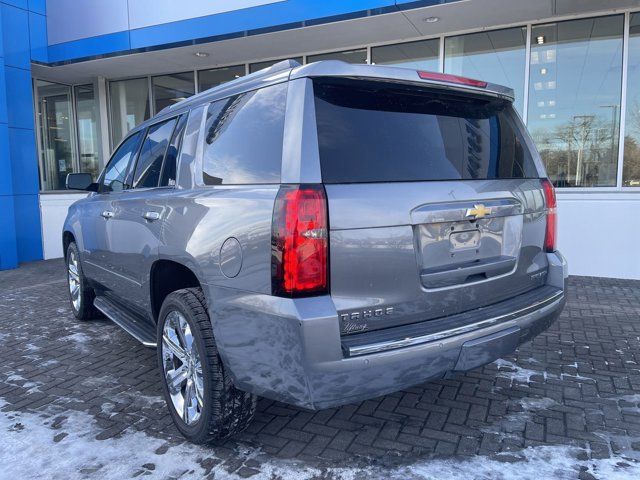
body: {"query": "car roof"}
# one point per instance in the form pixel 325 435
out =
pixel 291 69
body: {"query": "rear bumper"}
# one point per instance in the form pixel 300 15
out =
pixel 291 350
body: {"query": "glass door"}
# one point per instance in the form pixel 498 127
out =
pixel 55 123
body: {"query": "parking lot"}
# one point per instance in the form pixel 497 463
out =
pixel 82 400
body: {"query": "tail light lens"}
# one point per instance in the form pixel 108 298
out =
pixel 551 234
pixel 299 242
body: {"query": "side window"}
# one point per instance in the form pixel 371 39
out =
pixel 149 163
pixel 244 137
pixel 171 158
pixel 116 171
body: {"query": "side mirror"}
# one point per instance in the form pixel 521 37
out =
pixel 81 181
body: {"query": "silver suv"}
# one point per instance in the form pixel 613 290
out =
pixel 319 235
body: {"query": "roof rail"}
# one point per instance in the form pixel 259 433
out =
pixel 276 67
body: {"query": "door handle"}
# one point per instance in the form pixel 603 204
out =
pixel 151 216
pixel 107 214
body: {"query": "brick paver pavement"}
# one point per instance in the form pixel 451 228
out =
pixel 569 400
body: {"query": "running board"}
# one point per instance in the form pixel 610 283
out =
pixel 138 329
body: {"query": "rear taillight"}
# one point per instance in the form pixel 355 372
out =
pixel 445 77
pixel 551 234
pixel 299 242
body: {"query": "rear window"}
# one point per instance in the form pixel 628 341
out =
pixel 382 132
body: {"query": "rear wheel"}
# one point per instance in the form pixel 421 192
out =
pixel 81 295
pixel 204 404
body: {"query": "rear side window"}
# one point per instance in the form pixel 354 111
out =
pixel 155 145
pixel 115 173
pixel 243 138
pixel 384 132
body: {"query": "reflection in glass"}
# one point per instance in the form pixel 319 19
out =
pixel 170 89
pixel 217 76
pixel 254 67
pixel 56 136
pixel 574 99
pixel 631 164
pixel 349 56
pixel 88 138
pixel 421 55
pixel 498 56
pixel 129 104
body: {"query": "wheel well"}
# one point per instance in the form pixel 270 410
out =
pixel 166 277
pixel 67 238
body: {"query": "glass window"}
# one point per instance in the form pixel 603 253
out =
pixel 129 105
pixel 380 132
pixel 113 179
pixel 498 56
pixel 574 99
pixel 149 164
pixel 217 76
pixel 171 158
pixel 88 135
pixel 631 164
pixel 349 56
pixel 254 67
pixel 421 55
pixel 170 89
pixel 56 135
pixel 244 137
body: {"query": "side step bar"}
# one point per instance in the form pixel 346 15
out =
pixel 142 331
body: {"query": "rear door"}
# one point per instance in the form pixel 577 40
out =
pixel 435 202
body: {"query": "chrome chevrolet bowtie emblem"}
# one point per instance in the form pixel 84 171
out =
pixel 478 211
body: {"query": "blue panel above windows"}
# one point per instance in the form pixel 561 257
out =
pixel 93 47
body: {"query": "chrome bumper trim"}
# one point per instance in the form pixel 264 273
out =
pixel 432 337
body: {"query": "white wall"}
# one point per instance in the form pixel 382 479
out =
pixel 599 232
pixel 53 211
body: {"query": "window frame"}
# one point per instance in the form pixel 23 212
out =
pixel 185 116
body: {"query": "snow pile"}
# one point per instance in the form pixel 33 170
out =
pixel 32 446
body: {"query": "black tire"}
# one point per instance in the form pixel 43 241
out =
pixel 225 409
pixel 84 309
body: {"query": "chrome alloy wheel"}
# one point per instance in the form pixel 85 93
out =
pixel 74 280
pixel 182 368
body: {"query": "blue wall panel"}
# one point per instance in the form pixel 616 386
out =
pixel 19 97
pixel 20 229
pixel 8 250
pixel 28 229
pixel 38 37
pixel 15 30
pixel 38 6
pixel 24 162
pixel 6 182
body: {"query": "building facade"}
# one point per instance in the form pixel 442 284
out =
pixel 76 76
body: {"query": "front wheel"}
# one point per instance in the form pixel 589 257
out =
pixel 81 295
pixel 204 404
